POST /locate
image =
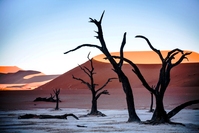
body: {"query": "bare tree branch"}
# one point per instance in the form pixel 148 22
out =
pixel 83 45
pixel 109 80
pixel 171 52
pixel 83 69
pixel 181 58
pixel 121 50
pixel 182 106
pixel 84 82
pixel 103 92
pixel 91 62
pixel 154 49
pixel 138 73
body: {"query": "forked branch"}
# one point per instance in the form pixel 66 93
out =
pixel 109 80
pixel 84 82
pixel 150 45
pixel 103 92
pixel 83 45
pixel 138 73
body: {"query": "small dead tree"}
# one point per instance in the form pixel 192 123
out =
pixel 96 93
pixel 56 92
pixel 117 67
pixel 160 115
pixel 34 116
pixel 49 99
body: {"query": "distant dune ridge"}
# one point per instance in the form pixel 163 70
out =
pixel 184 85
pixel 13 78
pixel 184 75
pixel 9 69
pixel 149 57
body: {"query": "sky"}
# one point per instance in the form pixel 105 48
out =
pixel 34 34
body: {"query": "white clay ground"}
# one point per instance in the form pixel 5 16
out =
pixel 114 122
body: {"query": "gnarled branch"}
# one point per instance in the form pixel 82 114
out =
pixel 83 45
pixel 181 58
pixel 138 73
pixel 109 80
pixel 83 69
pixel 102 92
pixel 121 50
pixel 182 106
pixel 154 49
pixel 84 82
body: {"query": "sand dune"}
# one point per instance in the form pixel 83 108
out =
pixel 23 80
pixel 149 57
pixel 184 86
pixel 183 75
pixel 9 69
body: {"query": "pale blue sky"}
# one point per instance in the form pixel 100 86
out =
pixel 34 34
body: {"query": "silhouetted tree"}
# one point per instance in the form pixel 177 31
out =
pixel 34 116
pixel 50 99
pixel 151 106
pixel 133 117
pixel 96 93
pixel 56 92
pixel 160 115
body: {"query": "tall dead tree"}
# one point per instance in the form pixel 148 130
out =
pixel 96 93
pixel 160 115
pixel 117 67
pixel 56 92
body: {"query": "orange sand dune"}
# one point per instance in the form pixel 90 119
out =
pixel 149 57
pixel 9 69
pixel 184 86
pixel 33 75
pixel 24 80
pixel 183 75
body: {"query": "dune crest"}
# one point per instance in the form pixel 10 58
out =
pixel 9 69
pixel 23 79
pixel 33 75
pixel 148 57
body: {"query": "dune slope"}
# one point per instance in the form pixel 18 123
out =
pixel 183 75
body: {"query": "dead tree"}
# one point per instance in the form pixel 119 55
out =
pixel 117 67
pixel 151 107
pixel 56 92
pixel 50 99
pixel 160 115
pixel 96 93
pixel 34 116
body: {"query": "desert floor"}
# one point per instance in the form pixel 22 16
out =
pixel 115 121
pixel 78 101
pixel 81 98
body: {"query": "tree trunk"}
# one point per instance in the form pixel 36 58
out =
pixel 57 102
pixel 94 104
pixel 57 105
pixel 159 115
pixel 133 117
pixel 151 107
pixel 94 107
